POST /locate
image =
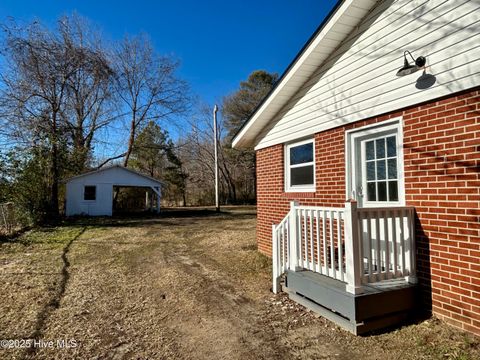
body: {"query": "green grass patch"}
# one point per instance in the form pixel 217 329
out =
pixel 50 235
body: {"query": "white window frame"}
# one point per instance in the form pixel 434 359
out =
pixel 393 126
pixel 287 167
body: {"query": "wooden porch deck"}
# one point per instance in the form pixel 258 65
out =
pixel 381 304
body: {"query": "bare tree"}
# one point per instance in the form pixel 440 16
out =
pixel 89 89
pixel 38 68
pixel 198 163
pixel 147 85
pixel 237 109
pixel 197 154
pixel 54 87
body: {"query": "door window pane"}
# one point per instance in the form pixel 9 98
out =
pixel 393 190
pixel 392 168
pixel 380 148
pixel 382 190
pixel 370 170
pixel 370 150
pixel 391 146
pixel 371 192
pixel 301 175
pixel 381 171
pixel 301 154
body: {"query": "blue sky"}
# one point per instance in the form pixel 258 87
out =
pixel 218 42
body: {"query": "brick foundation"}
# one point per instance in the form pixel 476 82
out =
pixel 442 181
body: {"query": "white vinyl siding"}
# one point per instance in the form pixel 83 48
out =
pixel 358 80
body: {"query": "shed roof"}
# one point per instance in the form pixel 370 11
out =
pixel 122 168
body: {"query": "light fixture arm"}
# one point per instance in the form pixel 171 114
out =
pixel 409 69
pixel 420 61
pixel 409 53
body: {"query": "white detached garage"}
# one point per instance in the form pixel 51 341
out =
pixel 92 193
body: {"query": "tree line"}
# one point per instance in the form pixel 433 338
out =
pixel 65 93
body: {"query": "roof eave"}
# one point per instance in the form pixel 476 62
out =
pixel 248 133
pixel 111 167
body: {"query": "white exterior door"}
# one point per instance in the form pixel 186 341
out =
pixel 375 166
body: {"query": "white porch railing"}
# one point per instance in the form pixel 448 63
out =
pixel 354 245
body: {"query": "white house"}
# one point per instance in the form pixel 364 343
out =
pixel 92 193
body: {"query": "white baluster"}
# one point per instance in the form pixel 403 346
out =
pixel 332 246
pixel 319 259
pixel 305 234
pixel 394 243
pixel 340 245
pixel 294 238
pixel 324 235
pixel 312 263
pixel 275 261
pixel 370 247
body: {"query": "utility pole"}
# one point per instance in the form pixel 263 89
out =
pixel 215 109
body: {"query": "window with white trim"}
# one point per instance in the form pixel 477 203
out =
pixel 300 166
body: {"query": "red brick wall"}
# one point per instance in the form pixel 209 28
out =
pixel 442 181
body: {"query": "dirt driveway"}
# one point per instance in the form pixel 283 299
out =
pixel 188 285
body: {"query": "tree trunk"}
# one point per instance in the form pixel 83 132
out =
pixel 232 192
pixel 131 141
pixel 54 169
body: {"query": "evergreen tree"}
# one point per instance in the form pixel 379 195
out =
pixel 153 153
pixel 236 110
pixel 239 106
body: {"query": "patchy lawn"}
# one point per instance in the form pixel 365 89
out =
pixel 185 285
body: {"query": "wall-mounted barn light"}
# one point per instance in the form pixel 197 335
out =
pixel 408 68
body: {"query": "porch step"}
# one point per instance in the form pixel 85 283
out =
pixel 382 304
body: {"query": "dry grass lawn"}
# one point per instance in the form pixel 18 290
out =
pixel 186 285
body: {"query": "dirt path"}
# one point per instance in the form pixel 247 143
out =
pixel 180 288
